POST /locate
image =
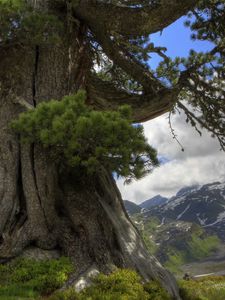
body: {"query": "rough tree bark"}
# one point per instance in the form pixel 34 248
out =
pixel 82 217
pixel 41 207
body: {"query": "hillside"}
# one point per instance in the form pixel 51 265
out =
pixel 203 205
pixel 131 207
pixel 187 228
pixel 157 200
pixel 177 242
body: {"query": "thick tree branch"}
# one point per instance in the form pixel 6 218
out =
pixel 134 21
pixel 103 95
pixel 89 11
pixel 126 61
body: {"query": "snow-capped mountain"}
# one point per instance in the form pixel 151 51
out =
pixel 204 205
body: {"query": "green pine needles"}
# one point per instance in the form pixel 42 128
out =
pixel 22 25
pixel 88 139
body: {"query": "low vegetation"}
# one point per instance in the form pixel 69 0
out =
pixel 194 247
pixel 25 279
pixel 120 285
pixel 190 245
pixel 202 247
pixel 148 229
pixel 207 288
pixel 28 279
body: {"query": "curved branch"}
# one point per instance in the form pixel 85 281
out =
pixel 103 95
pixel 122 58
pixel 134 21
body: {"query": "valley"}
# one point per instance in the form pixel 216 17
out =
pixel 187 231
pixel 213 265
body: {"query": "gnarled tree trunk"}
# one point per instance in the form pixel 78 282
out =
pixel 42 207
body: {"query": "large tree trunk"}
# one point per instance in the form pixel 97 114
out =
pixel 42 207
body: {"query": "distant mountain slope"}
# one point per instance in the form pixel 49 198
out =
pixel 204 205
pixel 177 242
pixel 184 228
pixel 157 200
pixel 131 207
pixel 187 189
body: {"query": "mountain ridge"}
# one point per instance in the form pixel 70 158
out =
pixel 204 205
pixel 154 201
pixel 187 228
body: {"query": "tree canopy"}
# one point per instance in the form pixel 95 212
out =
pixel 117 37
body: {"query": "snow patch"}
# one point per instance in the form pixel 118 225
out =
pixel 162 223
pixel 217 186
pixel 202 221
pixel 220 218
pixel 180 215
pixel 171 205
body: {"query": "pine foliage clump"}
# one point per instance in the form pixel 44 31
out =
pixel 20 24
pixel 87 138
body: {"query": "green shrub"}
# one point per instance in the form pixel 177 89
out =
pixel 86 138
pixel 69 294
pixel 26 277
pixel 120 285
pixel 155 291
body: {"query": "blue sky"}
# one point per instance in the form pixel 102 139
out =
pixel 176 38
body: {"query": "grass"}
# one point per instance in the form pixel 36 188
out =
pixel 120 285
pixel 207 288
pixel 27 279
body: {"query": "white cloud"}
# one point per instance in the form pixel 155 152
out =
pixel 201 162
